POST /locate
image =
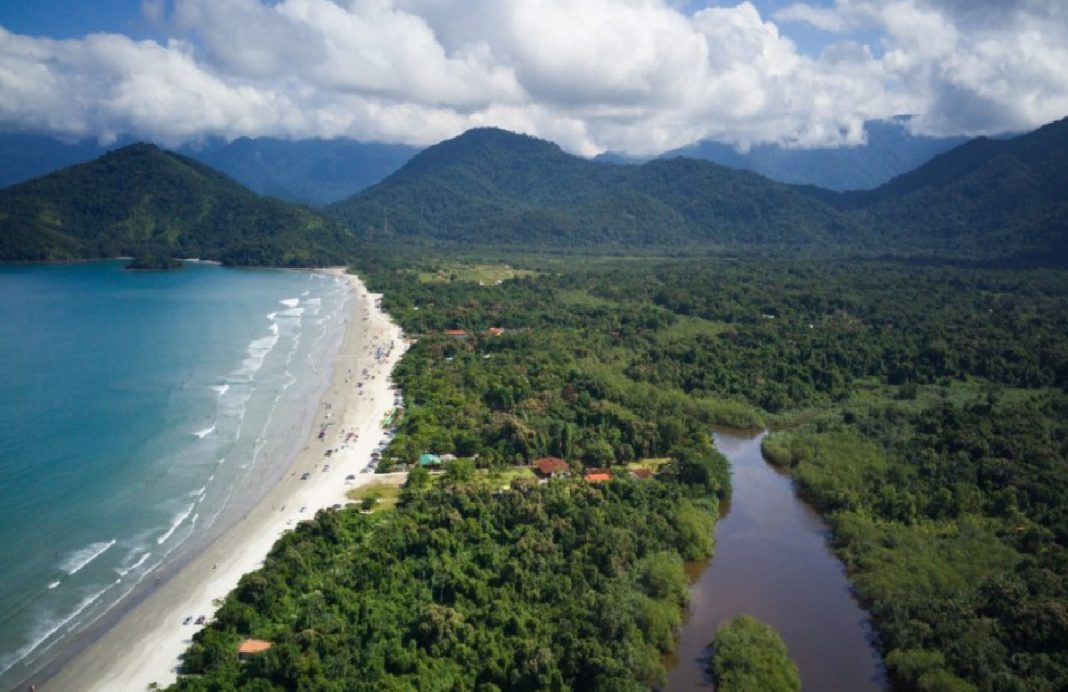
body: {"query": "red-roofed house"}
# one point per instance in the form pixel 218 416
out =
pixel 550 467
pixel 598 475
pixel 495 331
pixel 251 647
pixel 455 332
pixel 642 474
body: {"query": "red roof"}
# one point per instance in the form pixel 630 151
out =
pixel 455 332
pixel 254 646
pixel 495 331
pixel 598 475
pixel 642 473
pixel 547 466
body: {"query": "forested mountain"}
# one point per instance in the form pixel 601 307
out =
pixel 142 201
pixel 890 150
pixel 985 198
pixel 991 200
pixel 488 185
pixel 311 171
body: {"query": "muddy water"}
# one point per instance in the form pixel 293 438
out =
pixel 772 561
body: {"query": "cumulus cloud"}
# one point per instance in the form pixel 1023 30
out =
pixel 639 76
pixel 972 66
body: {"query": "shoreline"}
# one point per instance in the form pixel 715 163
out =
pixel 145 644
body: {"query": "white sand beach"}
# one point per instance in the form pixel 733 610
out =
pixel 145 645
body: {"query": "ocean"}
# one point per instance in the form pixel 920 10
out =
pixel 140 414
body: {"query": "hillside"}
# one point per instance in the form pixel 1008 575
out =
pixel 309 171
pixel 890 150
pixel 492 186
pixel 1000 198
pixel 140 200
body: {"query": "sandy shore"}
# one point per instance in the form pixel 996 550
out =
pixel 144 646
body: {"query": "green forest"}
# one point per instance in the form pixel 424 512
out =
pixel 921 408
pixel 750 655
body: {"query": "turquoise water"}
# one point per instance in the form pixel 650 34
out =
pixel 139 413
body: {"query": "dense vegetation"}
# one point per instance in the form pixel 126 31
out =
pixel 985 200
pixel 926 407
pixel 491 186
pixel 564 585
pixel 924 411
pixel 142 201
pixel 750 655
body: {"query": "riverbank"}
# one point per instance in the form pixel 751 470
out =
pixel 773 562
pixel 145 645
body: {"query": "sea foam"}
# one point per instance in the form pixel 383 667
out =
pixel 176 522
pixel 201 434
pixel 77 560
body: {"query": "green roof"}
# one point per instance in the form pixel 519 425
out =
pixel 429 459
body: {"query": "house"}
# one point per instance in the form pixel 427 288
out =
pixel 251 647
pixel 642 474
pixel 445 458
pixel 495 331
pixel 459 333
pixel 597 475
pixel 550 467
pixel 429 460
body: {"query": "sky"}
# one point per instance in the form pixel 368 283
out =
pixel 632 76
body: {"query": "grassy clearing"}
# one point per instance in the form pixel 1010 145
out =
pixel 385 492
pixel 653 464
pixel 486 274
pixel 502 478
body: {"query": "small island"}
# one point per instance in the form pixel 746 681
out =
pixel 154 263
pixel 750 655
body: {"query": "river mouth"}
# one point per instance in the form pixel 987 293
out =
pixel 773 562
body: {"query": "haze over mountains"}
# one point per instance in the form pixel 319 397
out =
pixel 989 200
pixel 318 171
pixel 311 171
pixel 890 150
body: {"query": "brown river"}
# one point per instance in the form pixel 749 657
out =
pixel 773 562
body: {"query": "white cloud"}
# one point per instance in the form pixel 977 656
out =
pixel 630 75
pixel 970 66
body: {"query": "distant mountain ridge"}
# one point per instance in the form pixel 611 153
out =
pixel 311 171
pixel 492 186
pixel 1000 200
pixel 984 193
pixel 145 202
pixel 890 150
pixel 986 200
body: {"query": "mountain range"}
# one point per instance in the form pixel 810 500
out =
pixel 999 200
pixel 493 186
pixel 988 199
pixel 146 202
pixel 889 150
pixel 310 171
